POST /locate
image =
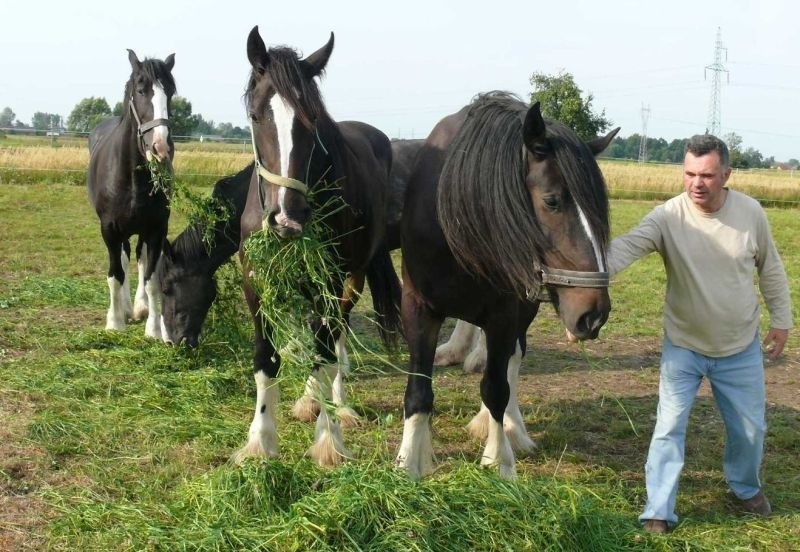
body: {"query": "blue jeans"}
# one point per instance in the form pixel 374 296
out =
pixel 737 382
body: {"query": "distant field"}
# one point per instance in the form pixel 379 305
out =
pixel 27 160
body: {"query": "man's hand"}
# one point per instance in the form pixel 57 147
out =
pixel 776 338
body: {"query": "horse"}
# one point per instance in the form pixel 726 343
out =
pixel 297 144
pixel 501 205
pixel 187 266
pixel 126 196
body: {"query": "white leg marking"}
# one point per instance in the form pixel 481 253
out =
pixel 307 407
pixel 115 317
pixel 328 448
pixel 154 302
pixel 262 437
pixel 140 302
pixel 416 449
pixel 593 239
pixel 461 342
pixel 498 451
pixel 476 361
pixel 513 423
pixel 346 415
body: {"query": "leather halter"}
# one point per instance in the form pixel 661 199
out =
pixel 144 128
pixel 284 181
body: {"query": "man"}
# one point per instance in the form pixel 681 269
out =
pixel 712 240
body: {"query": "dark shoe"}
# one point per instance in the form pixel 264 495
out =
pixel 655 526
pixel 758 505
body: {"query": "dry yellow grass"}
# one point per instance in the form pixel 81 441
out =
pixel 625 179
pixel 659 181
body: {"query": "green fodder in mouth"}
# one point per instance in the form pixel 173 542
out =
pixel 295 280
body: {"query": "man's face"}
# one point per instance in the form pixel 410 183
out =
pixel 704 180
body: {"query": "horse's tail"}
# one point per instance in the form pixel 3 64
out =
pixel 386 295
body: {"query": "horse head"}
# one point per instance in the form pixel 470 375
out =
pixel 148 95
pixel 288 121
pixel 188 289
pixel 570 204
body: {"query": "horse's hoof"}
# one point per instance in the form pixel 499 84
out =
pixel 306 408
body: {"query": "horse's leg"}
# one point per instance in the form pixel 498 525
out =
pixel 421 327
pixel 504 354
pixel 126 284
pixel 456 349
pixel 306 408
pixel 328 448
pixel 262 437
pixel 115 317
pixel 154 326
pixel 476 360
pixel 140 301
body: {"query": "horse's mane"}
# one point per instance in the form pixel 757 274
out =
pixel 286 73
pixel 154 70
pixel 483 204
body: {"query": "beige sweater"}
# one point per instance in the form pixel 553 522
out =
pixel 711 305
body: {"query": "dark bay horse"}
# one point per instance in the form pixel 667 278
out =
pixel 501 204
pixel 297 146
pixel 124 195
pixel 187 266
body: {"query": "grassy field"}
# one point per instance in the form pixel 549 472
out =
pixel 110 441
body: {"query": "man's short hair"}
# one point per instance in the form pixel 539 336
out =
pixel 702 144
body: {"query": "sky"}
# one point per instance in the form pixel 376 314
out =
pixel 402 66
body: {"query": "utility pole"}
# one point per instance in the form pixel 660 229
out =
pixel 714 123
pixel 643 140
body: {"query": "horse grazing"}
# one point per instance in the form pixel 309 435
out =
pixel 501 204
pixel 298 145
pixel 187 266
pixel 124 194
pixel 186 270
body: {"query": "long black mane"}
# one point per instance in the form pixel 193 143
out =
pixel 483 204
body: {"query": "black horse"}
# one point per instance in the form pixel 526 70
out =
pixel 501 204
pixel 187 267
pixel 298 145
pixel 124 194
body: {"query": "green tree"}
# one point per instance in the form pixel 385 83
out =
pixel 562 100
pixel 45 121
pixel 88 114
pixel 7 117
pixel 118 110
pixel 181 119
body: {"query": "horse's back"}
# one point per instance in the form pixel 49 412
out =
pixel 102 131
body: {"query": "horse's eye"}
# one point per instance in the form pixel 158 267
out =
pixel 551 202
pixel 253 117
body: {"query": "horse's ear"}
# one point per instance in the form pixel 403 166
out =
pixel 599 145
pixel 533 130
pixel 316 62
pixel 135 63
pixel 170 62
pixel 257 51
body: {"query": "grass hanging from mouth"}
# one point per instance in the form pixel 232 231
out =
pixel 295 280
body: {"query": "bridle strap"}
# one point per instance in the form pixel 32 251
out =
pixel 144 128
pixel 272 178
pixel 574 278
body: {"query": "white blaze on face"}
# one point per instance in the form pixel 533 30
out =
pixel 595 244
pixel 160 111
pixel 284 120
